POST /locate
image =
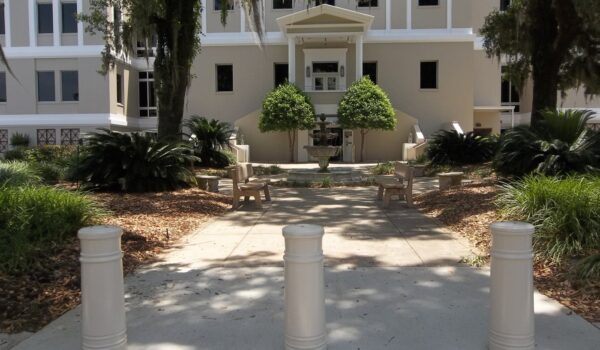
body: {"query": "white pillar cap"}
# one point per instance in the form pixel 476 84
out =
pixel 303 231
pixel 512 228
pixel 100 232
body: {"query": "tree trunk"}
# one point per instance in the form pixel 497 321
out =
pixel 363 133
pixel 292 143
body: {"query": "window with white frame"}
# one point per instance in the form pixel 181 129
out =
pixel 2 21
pixel 69 136
pixel 326 75
pixel 69 81
pixel 148 107
pixel 323 2
pixel 220 3
pixel 46 137
pixel 429 75
pixel 429 2
pixel 147 48
pixel 224 77
pixel 509 93
pixel 282 4
pixel 119 88
pixel 45 87
pixel 2 87
pixel 68 17
pixel 3 140
pixel 367 3
pixel 45 18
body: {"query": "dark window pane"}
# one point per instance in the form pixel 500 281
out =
pixel 70 85
pixel 2 24
pixel 143 94
pixel 367 3
pixel 504 4
pixel 152 94
pixel 2 87
pixel 45 82
pixel 428 75
pixel 370 69
pixel 69 18
pixel 328 2
pixel 119 88
pixel 325 67
pixel 428 2
pixel 514 94
pixel 218 4
pixel 505 91
pixel 281 73
pixel 282 4
pixel 117 22
pixel 224 78
pixel 45 25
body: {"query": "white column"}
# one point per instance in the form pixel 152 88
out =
pixel 359 57
pixel 449 14
pixel 204 9
pixel 511 313
pixel 56 22
pixel 408 14
pixel 292 59
pixel 80 28
pixel 103 324
pixel 304 291
pixel 242 19
pixel 388 15
pixel 32 23
pixel 7 30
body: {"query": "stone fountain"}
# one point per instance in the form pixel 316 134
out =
pixel 323 152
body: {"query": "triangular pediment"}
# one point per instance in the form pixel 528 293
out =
pixel 325 16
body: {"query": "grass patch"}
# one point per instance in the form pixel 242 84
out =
pixel 269 170
pixel 17 174
pixel 386 168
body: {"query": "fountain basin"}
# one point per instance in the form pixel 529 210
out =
pixel 335 175
pixel 323 154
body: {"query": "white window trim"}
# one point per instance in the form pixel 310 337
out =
pixel 437 75
pixel 148 96
pixel 325 55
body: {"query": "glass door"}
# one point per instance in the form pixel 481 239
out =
pixel 325 76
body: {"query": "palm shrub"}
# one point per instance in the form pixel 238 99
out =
pixel 210 139
pixel 35 219
pixel 17 174
pixel 452 148
pixel 566 213
pixel 560 144
pixel 19 140
pixel 135 163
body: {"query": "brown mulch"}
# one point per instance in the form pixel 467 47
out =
pixel 151 223
pixel 470 210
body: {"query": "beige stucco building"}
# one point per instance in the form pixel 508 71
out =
pixel 426 54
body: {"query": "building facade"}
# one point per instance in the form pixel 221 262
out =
pixel 426 54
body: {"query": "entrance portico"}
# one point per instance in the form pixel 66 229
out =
pixel 325 33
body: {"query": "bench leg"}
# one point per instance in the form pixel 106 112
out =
pixel 409 199
pixel 236 202
pixel 380 193
pixel 246 199
pixel 387 197
pixel 267 193
pixel 257 199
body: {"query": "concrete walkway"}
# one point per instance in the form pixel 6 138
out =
pixel 393 281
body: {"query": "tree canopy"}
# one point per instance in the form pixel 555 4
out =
pixel 366 106
pixel 287 109
pixel 554 42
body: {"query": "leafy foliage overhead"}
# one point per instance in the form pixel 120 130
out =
pixel 561 144
pixel 452 148
pixel 210 138
pixel 135 163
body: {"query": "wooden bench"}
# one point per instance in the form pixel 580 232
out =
pixel 208 182
pixel 242 187
pixel 449 180
pixel 401 186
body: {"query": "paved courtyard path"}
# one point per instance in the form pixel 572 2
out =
pixel 393 281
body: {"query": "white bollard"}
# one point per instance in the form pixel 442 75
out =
pixel 304 288
pixel 103 324
pixel 511 314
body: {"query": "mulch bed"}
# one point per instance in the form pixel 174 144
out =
pixel 151 223
pixel 470 211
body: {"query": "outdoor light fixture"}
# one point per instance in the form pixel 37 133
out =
pixel 342 71
pixel 308 71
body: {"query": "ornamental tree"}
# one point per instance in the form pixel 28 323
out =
pixel 555 42
pixel 365 106
pixel 287 109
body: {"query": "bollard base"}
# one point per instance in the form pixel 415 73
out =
pixel 498 341
pixel 303 343
pixel 114 342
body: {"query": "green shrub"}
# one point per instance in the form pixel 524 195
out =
pixel 17 153
pixel 135 163
pixel 566 213
pixel 35 219
pixel 17 174
pixel 49 172
pixel 52 154
pixel 452 148
pixel 386 168
pixel 587 269
pixel 211 140
pixel 561 144
pixel 270 170
pixel 19 140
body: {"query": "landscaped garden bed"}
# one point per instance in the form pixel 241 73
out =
pixel 151 223
pixel 470 211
